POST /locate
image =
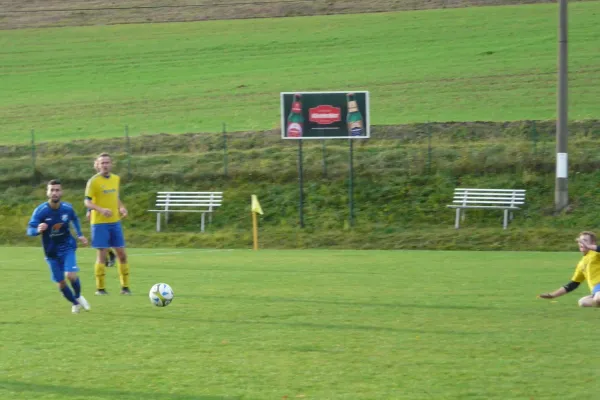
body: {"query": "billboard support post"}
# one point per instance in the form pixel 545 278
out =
pixel 325 115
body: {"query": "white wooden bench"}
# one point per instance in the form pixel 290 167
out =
pixel 508 200
pixel 195 202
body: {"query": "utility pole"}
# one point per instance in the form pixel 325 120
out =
pixel 561 193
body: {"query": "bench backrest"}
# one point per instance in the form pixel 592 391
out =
pixel 489 197
pixel 172 201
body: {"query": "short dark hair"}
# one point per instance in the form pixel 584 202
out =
pixel 54 182
pixel 103 155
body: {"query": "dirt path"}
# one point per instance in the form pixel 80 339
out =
pixel 47 13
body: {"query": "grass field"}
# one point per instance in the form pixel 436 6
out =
pixel 491 63
pixel 302 325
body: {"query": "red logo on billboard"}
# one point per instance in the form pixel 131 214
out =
pixel 324 114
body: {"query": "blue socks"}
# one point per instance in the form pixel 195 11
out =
pixel 76 287
pixel 66 291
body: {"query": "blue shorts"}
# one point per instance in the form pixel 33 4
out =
pixel 105 236
pixel 61 264
pixel 596 289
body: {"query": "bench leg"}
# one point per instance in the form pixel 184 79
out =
pixel 511 216
pixel 505 218
pixel 457 221
pixel 157 222
pixel 202 222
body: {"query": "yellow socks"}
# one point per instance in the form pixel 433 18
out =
pixel 124 274
pixel 100 271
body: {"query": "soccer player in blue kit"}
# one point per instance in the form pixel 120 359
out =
pixel 52 221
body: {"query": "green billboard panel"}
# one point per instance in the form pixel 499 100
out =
pixel 325 115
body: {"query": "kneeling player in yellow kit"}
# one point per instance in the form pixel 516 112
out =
pixel 102 197
pixel 588 269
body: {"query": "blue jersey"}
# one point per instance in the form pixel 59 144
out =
pixel 57 239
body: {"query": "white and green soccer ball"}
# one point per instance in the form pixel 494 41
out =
pixel 161 295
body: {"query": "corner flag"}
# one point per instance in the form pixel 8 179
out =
pixel 256 205
pixel 256 208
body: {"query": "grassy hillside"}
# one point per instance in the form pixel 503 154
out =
pixel 400 192
pixel 491 63
pixel 39 13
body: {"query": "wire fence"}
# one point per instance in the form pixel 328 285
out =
pixel 422 149
pixel 417 164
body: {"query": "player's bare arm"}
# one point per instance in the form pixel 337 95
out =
pixel 557 293
pixel 569 287
pixel 104 211
pixel 122 209
pixel 42 227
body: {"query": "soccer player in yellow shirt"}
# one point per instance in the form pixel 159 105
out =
pixel 111 257
pixel 102 198
pixel 588 269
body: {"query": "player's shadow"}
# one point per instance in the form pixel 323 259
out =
pixel 30 389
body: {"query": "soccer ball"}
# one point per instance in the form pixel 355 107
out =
pixel 161 295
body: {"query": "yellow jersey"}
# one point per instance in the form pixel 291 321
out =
pixel 103 191
pixel 588 269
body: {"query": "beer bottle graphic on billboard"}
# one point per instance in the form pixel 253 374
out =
pixel 295 120
pixel 354 118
